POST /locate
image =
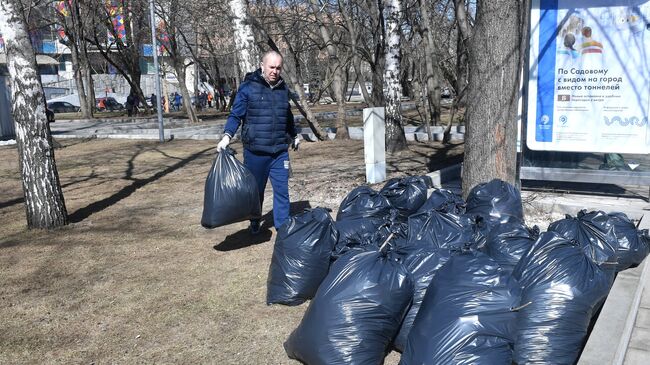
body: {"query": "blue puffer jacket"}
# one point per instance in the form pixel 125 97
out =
pixel 265 115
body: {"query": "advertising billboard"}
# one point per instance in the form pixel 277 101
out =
pixel 589 76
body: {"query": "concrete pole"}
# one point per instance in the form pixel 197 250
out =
pixel 154 46
pixel 374 144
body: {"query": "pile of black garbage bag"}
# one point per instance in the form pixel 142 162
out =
pixel 443 280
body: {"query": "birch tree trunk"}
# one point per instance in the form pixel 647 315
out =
pixel 494 70
pixel 248 57
pixel 44 203
pixel 395 138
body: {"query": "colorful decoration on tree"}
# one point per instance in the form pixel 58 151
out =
pixel 164 40
pixel 116 13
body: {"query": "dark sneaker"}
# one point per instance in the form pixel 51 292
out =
pixel 254 228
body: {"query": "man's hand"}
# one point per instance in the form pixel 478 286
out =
pixel 225 141
pixel 295 143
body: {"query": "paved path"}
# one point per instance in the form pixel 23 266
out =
pixel 136 128
pixel 638 349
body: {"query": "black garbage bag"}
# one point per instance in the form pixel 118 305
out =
pixel 467 316
pixel 359 232
pixel 564 288
pixel 496 201
pixel 444 201
pixel 508 242
pixel 231 193
pixel 594 231
pixel 363 202
pixel 422 264
pixel 444 230
pixel 406 194
pixel 356 312
pixel 301 257
pixel 633 244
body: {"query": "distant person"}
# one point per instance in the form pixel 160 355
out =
pixel 210 98
pixel 130 104
pixel 177 102
pixel 262 109
pixel 203 99
pixel 154 102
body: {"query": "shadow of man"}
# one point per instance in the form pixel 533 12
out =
pixel 243 238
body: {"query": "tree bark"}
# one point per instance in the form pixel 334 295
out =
pixel 248 57
pixel 494 70
pixel 395 138
pixel 44 203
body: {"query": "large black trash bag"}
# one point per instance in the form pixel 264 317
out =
pixel 231 193
pixel 359 232
pixel 406 194
pixel 633 244
pixel 356 312
pixel 363 202
pixel 301 257
pixel 508 242
pixel 594 231
pixel 467 315
pixel 564 288
pixel 497 202
pixel 444 230
pixel 444 201
pixel 422 264
pixel 361 219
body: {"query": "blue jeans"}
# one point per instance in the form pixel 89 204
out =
pixel 276 167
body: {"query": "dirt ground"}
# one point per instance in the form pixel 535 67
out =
pixel 135 278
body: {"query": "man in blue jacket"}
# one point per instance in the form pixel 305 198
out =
pixel 262 109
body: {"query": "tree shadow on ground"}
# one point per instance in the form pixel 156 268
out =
pixel 243 238
pixel 83 213
pixel 11 202
pixel 437 159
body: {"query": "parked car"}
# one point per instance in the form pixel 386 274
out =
pixel 62 107
pixel 50 115
pixel 108 104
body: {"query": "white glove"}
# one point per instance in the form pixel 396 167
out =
pixel 225 141
pixel 296 142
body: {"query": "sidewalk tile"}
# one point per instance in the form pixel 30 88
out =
pixel 637 357
pixel 643 319
pixel 640 339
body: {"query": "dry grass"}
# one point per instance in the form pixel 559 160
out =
pixel 135 278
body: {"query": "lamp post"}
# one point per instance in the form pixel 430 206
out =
pixel 154 43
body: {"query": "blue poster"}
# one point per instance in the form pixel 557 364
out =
pixel 589 79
